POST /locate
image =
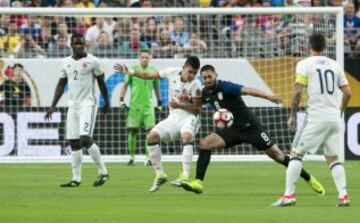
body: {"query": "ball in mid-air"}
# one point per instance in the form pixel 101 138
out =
pixel 223 118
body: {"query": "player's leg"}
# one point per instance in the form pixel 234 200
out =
pixel 163 131
pixel 87 125
pixel 149 123
pixel 131 145
pixel 133 124
pixel 332 149
pixel 72 134
pixel 189 128
pixel 307 140
pixel 210 142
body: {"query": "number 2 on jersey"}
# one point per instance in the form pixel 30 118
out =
pixel 324 80
pixel 76 73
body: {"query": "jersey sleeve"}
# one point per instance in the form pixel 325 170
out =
pixel 301 74
pixel 98 68
pixel 231 88
pixel 196 90
pixel 342 80
pixel 168 72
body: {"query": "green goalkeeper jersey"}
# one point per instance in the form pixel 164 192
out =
pixel 141 90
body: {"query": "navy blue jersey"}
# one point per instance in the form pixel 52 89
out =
pixel 228 95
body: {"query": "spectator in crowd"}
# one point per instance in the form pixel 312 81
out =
pixel 64 32
pixel 16 91
pixel 133 46
pixel 165 21
pixel 70 21
pixel 122 30
pixel 196 46
pixel 60 49
pixel 86 4
pixel 93 32
pixel 116 3
pixel 28 48
pixel 104 47
pixel 164 48
pixel 9 40
pixel 351 28
pixel 179 36
pixel 32 27
pixel 80 26
pixel 4 3
pixel 150 32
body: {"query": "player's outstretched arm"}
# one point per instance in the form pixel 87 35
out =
pixel 260 94
pixel 346 90
pixel 104 92
pixel 58 92
pixel 137 73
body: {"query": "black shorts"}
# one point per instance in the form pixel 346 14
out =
pixel 252 134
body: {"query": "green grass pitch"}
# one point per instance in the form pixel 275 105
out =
pixel 234 192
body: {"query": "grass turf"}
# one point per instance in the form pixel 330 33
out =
pixel 234 192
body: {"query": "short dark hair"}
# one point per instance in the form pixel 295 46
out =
pixel 18 65
pixel 193 61
pixel 317 42
pixel 77 35
pixel 145 51
pixel 207 67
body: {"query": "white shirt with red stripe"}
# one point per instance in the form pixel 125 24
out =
pixel 180 91
pixel 324 78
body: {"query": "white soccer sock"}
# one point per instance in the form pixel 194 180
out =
pixel 187 159
pixel 155 157
pixel 292 175
pixel 338 174
pixel 76 159
pixel 94 152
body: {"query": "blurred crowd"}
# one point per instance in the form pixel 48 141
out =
pixel 25 36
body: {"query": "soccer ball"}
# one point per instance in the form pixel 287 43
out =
pixel 223 118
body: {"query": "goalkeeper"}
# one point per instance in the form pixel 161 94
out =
pixel 141 112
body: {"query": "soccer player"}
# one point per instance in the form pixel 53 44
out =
pixel 182 122
pixel 324 80
pixel 80 71
pixel 141 112
pixel 246 128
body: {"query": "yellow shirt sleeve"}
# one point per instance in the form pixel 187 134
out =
pixel 301 79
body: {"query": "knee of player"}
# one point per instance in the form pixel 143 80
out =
pixel 86 141
pixel 153 137
pixel 187 137
pixel 204 144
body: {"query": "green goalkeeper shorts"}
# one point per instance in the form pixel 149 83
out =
pixel 141 118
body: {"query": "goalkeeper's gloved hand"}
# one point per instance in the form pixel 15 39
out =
pixel 159 107
pixel 122 104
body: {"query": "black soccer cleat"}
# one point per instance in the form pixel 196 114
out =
pixel 131 162
pixel 101 180
pixel 72 183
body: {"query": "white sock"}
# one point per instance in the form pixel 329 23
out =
pixel 187 159
pixel 94 152
pixel 338 174
pixel 292 175
pixel 76 160
pixel 155 157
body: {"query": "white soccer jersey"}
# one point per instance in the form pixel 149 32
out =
pixel 81 79
pixel 323 77
pixel 179 89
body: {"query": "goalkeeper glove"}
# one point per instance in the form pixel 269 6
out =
pixel 159 107
pixel 122 104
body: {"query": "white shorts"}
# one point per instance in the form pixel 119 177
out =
pixel 314 135
pixel 174 125
pixel 80 121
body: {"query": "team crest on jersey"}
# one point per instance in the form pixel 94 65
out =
pixel 85 65
pixel 220 96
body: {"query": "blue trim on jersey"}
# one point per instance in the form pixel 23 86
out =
pixel 230 88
